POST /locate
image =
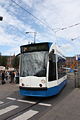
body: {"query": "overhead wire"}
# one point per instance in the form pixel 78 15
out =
pixel 54 30
pixel 43 22
pixel 34 16
pixel 75 38
pixel 64 28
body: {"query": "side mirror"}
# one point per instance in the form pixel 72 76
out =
pixel 51 55
pixel 1 18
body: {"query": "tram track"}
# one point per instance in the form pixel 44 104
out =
pixel 54 101
pixel 21 111
pixel 12 117
pixel 31 106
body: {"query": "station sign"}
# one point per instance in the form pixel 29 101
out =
pixel 35 47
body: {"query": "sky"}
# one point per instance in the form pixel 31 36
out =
pixel 45 17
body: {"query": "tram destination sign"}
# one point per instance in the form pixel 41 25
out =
pixel 34 47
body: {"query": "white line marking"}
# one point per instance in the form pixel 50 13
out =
pixel 1 102
pixel 45 104
pixel 25 101
pixel 7 109
pixel 26 115
pixel 11 98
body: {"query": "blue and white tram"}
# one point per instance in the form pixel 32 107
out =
pixel 42 72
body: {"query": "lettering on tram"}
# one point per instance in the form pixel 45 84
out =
pixel 41 70
pixel 34 47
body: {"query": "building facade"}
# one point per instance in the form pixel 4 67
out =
pixel 71 62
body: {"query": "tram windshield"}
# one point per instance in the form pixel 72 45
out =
pixel 34 64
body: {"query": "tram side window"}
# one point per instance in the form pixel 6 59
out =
pixel 52 67
pixel 61 67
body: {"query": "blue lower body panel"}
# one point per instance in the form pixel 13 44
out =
pixel 44 93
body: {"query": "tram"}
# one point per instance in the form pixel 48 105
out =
pixel 42 72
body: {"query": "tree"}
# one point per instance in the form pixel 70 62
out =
pixel 3 61
pixel 15 62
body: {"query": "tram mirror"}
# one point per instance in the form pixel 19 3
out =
pixel 51 55
pixel 1 18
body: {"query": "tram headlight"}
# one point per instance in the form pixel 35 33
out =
pixel 40 85
pixel 22 84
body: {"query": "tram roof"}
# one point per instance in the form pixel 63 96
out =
pixel 50 44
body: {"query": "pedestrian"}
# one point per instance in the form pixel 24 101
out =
pixel 17 77
pixel 12 77
pixel 3 77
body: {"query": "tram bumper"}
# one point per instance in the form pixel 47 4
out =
pixel 37 92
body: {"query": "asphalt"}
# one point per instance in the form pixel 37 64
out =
pixel 8 89
pixel 67 109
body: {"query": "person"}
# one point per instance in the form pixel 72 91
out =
pixel 17 77
pixel 12 77
pixel 6 75
pixel 3 77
